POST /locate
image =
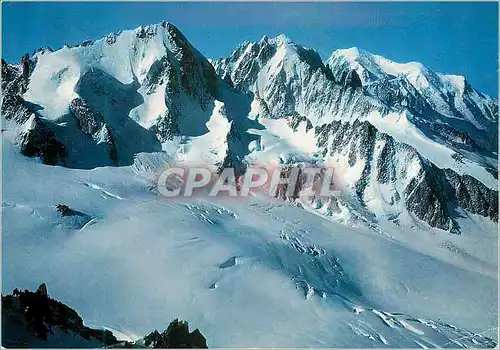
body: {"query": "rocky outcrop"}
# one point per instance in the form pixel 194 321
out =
pixel 37 140
pixel 64 210
pixel 473 195
pixel 176 336
pixel 254 57
pixel 15 108
pixel 197 76
pixel 398 94
pixel 27 315
pixel 89 121
pixel 351 79
pixel 92 123
pixel 72 219
pixel 158 74
pixel 295 121
pixel 425 197
pixel 167 127
pixel 108 138
pixel 235 152
pixel 11 76
pixel 26 69
pixel 431 194
pixel 35 320
pixel 15 79
pixel 386 169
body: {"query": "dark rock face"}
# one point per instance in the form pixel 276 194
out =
pixel 431 195
pixel 89 122
pixel 399 94
pixel 15 108
pixel 425 197
pixel 110 39
pixel 168 126
pixel 256 56
pixel 159 70
pixel 295 121
pixel 234 158
pixel 10 77
pixel 365 145
pixel 189 80
pixel 15 80
pixel 64 210
pixel 67 211
pixel 146 32
pixel 461 138
pixel 42 290
pixel 41 315
pixel 176 336
pixel 26 71
pixel 197 76
pixel 40 141
pixel 110 141
pixel 92 124
pixel 386 171
pixel 351 79
pixel 473 195
pixel 71 218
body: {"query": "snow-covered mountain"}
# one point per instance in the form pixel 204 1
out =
pixel 370 116
pixel 415 155
pixel 99 96
pixel 446 104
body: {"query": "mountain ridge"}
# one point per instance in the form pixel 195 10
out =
pixel 152 86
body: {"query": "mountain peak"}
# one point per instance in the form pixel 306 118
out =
pixel 375 67
pixel 282 40
pixel 351 54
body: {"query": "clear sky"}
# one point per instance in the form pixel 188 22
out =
pixel 457 38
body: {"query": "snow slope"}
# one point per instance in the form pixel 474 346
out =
pixel 235 267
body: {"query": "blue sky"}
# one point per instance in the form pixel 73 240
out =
pixel 459 38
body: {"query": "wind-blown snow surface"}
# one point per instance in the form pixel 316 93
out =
pixel 247 272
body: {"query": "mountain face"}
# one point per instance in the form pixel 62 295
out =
pixel 97 97
pixel 393 175
pixel 435 100
pixel 288 79
pixel 360 105
pixel 409 135
pixel 414 154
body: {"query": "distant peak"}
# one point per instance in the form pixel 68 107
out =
pixel 162 24
pixel 351 54
pixel 457 82
pixel 282 39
